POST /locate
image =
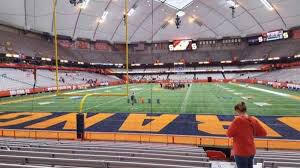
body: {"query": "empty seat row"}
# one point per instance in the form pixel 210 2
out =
pixel 15 152
pixel 276 159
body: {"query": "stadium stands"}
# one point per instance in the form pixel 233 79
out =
pixel 47 153
pixel 276 159
pixel 243 75
pixel 283 75
pixel 213 75
pixel 12 79
pixel 36 45
pixel 181 77
pixel 229 43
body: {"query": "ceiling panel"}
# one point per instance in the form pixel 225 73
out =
pixel 214 14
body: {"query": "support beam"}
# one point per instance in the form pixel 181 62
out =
pixel 254 18
pixel 140 25
pixel 215 10
pixel 115 31
pixel 98 24
pixel 25 14
pixel 76 23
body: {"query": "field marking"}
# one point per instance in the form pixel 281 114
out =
pixel 184 103
pixel 270 91
pixel 25 100
pixel 247 97
pixel 136 89
pixel 75 97
pixel 43 97
pixel 261 104
pixel 45 103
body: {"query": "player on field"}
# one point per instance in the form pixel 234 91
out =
pixel 132 98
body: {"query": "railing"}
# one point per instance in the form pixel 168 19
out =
pixel 148 138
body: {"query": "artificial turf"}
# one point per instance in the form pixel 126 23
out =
pixel 210 98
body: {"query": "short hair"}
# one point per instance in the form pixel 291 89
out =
pixel 241 107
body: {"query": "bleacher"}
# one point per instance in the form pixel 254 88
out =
pixel 283 75
pixel 179 77
pixel 206 75
pixel 47 153
pixel 278 159
pixel 243 75
pixel 12 79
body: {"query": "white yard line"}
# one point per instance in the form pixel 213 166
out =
pixel 265 90
pixel 184 103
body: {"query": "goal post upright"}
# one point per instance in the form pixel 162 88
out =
pixel 86 95
pixel 55 46
pixel 126 45
pixel 56 56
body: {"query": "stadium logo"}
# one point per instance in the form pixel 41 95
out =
pixel 278 127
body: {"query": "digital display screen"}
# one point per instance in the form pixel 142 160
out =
pixel 276 35
pixel 256 40
pixel 182 45
pixel 270 36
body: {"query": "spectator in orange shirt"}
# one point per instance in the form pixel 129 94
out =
pixel 243 129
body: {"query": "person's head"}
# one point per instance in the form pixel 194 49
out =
pixel 240 108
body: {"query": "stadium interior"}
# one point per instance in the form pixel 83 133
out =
pixel 146 83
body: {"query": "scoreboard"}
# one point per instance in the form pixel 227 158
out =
pixel 269 36
pixel 275 35
pixel 182 45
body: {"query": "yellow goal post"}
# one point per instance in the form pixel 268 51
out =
pixel 86 95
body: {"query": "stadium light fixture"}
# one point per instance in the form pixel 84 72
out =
pixel 99 20
pixel 157 64
pixel 191 19
pixel 84 4
pixel 232 3
pixel 46 59
pixel 205 62
pixel 64 61
pixel 267 4
pixel 274 58
pixel 135 64
pixel 131 11
pixel 104 15
pixel 171 21
pixel 12 55
pixel 226 62
pixel 180 13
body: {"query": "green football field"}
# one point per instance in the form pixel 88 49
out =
pixel 213 98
